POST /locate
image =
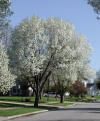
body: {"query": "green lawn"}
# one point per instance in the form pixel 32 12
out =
pixel 26 99
pixel 97 97
pixel 3 105
pixel 16 109
pixel 45 99
pixel 84 99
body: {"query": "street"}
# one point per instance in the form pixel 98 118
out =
pixel 77 112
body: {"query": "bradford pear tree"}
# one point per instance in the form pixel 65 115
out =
pixel 77 69
pixel 6 78
pixel 28 54
pixel 41 47
pixel 86 73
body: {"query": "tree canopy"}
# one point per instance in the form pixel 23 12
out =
pixel 5 12
pixel 96 6
pixel 41 47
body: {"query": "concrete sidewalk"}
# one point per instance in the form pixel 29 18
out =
pixel 23 104
pixel 42 104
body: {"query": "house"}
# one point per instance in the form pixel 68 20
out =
pixel 92 89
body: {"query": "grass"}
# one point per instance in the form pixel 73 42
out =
pixel 46 100
pixel 84 99
pixel 26 99
pixel 4 105
pixel 97 97
pixel 19 109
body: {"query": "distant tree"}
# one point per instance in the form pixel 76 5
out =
pixel 96 6
pixel 5 13
pixel 78 89
pixel 97 80
pixel 6 78
pixel 61 87
pixel 98 85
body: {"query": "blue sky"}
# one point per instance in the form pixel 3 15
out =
pixel 77 12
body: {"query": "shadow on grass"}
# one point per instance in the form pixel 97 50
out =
pixel 5 105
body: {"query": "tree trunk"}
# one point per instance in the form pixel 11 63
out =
pixel 39 89
pixel 40 96
pixel 61 98
pixel 36 92
pixel 36 100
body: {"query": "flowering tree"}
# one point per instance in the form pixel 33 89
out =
pixel 6 78
pixel 28 54
pixel 41 47
pixel 61 85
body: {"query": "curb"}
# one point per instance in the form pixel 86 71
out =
pixel 27 114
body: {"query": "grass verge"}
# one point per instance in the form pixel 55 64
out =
pixel 26 99
pixel 17 110
pixel 84 99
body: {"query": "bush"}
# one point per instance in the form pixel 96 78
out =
pixel 78 89
pixel 27 99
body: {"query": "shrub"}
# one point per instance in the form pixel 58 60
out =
pixel 78 89
pixel 27 99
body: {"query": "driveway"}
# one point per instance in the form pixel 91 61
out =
pixel 77 112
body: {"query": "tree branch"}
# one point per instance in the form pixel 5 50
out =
pixel 42 85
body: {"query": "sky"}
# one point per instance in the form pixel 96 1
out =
pixel 77 12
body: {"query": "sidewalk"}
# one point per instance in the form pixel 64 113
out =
pixel 24 104
pixel 27 104
pixel 42 104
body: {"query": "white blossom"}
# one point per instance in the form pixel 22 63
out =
pixel 6 78
pixel 36 42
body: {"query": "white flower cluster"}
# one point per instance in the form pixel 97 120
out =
pixel 37 43
pixel 6 78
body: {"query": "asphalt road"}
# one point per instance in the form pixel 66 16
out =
pixel 78 112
